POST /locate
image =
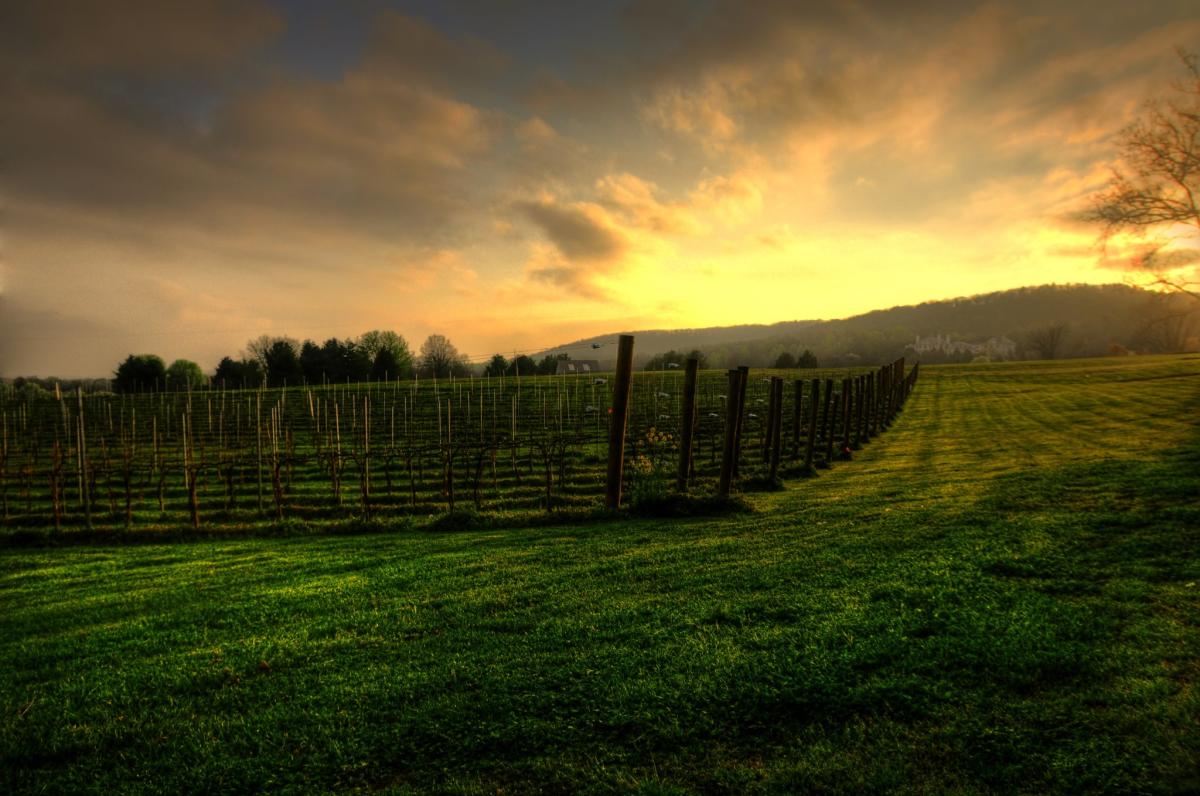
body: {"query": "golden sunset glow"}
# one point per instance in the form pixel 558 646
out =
pixel 179 180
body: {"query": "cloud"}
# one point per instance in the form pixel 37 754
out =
pixel 534 133
pixel 1147 258
pixel 380 152
pixel 167 152
pixel 581 232
pixel 901 118
pixel 548 266
pixel 128 161
pixel 139 36
pixel 542 154
pixel 733 197
pixel 410 49
pixel 701 113
pixel 637 202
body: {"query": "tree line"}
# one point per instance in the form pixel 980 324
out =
pixel 279 361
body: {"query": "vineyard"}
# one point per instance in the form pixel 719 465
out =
pixel 422 447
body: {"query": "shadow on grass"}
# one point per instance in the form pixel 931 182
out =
pixel 1126 518
pixel 458 521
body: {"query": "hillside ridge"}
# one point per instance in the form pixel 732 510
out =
pixel 1095 319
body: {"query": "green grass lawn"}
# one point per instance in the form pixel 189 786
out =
pixel 999 594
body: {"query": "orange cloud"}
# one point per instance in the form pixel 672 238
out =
pixel 638 203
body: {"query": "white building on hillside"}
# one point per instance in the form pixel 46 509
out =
pixel 993 347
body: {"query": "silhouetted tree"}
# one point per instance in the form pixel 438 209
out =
pixel 1169 325
pixel 140 373
pixel 385 367
pixel 258 348
pixel 183 374
pixel 785 361
pixel 1156 189
pixel 549 364
pixel 233 373
pixel 439 358
pixel 522 366
pixel 1046 341
pixel 334 362
pixel 497 366
pixel 312 362
pixel 346 361
pixel 371 343
pixel 807 359
pixel 283 366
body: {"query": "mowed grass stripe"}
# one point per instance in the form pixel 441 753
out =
pixel 942 614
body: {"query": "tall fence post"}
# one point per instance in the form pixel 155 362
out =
pixel 729 453
pixel 623 380
pixel 83 464
pixel 743 381
pixel 846 407
pixel 827 423
pixel 797 418
pixel 814 400
pixel 883 398
pixel 868 421
pixel 889 373
pixel 860 409
pixel 776 435
pixel 688 431
pixel 773 409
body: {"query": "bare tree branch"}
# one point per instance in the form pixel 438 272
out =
pixel 1157 182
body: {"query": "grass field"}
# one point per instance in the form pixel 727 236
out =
pixel 1000 594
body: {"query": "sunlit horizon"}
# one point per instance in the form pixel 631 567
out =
pixel 180 181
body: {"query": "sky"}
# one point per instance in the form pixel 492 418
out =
pixel 179 178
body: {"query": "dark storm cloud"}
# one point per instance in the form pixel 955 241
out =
pixel 381 150
pixel 579 236
pixel 569 279
pixel 65 36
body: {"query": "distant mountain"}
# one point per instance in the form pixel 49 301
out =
pixel 1095 320
pixel 656 341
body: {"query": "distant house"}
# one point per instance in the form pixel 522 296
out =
pixel 573 366
pixel 994 347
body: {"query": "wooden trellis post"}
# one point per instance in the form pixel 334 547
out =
pixel 797 417
pixel 846 406
pixel 868 420
pixel 729 452
pixel 814 400
pixel 83 479
pixel 622 383
pixel 776 435
pixel 688 428
pixel 740 397
pixel 773 409
pixel 827 422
